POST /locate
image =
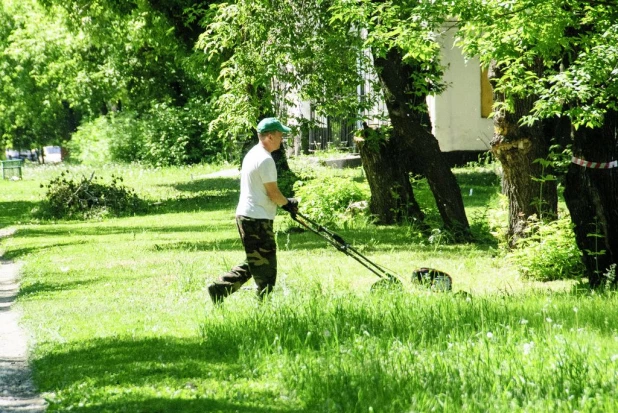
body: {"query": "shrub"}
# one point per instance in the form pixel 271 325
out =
pixel 105 139
pixel 289 180
pixel 549 252
pixel 161 136
pixel 167 137
pixel 179 135
pixel 70 197
pixel 90 144
pixel 327 200
pixel 126 141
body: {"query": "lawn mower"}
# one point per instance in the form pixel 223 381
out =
pixel 434 279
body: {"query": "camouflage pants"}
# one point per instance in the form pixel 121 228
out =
pixel 258 240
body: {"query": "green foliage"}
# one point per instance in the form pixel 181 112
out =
pixel 90 143
pixel 549 252
pixel 164 135
pixel 36 62
pixel 131 56
pixel 374 138
pixel 107 139
pixel 327 199
pixel 610 277
pixel 409 28
pixel 72 197
pixel 484 160
pixel 287 180
pixel 573 44
pixel 74 61
pixel 177 135
pixel 126 142
pixel 259 61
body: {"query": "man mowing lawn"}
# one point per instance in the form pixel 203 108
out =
pixel 255 213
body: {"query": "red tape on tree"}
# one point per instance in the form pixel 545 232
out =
pixel 595 165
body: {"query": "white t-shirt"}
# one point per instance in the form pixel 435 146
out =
pixel 258 168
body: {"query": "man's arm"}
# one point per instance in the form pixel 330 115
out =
pixel 273 192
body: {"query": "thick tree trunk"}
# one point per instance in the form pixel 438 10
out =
pixel 392 196
pixel 417 149
pixel 523 180
pixel 591 194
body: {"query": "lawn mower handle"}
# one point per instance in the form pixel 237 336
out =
pixel 338 242
pixel 319 228
pixel 437 279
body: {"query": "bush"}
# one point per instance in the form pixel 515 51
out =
pixel 113 138
pixel 549 253
pixel 170 137
pixel 327 200
pixel 289 180
pixel 163 135
pixel 90 144
pixel 126 140
pixel 70 197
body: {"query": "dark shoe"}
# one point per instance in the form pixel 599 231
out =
pixel 217 293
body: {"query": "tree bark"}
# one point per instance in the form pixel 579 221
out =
pixel 414 148
pixel 591 194
pixel 517 148
pixel 392 195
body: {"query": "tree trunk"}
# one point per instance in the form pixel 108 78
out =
pixel 392 196
pixel 591 194
pixel 304 137
pixel 416 148
pixel 523 180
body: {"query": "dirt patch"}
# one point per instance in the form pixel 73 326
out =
pixel 17 391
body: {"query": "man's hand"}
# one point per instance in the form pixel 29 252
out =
pixel 291 206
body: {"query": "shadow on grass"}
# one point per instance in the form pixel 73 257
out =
pixel 391 238
pixel 102 230
pixel 224 186
pixel 16 253
pixel 36 288
pixel 209 194
pixel 197 203
pixel 193 368
pixel 227 244
pixel 478 187
pixel 300 241
pixel 13 212
pixel 119 234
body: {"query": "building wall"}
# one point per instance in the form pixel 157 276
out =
pixel 456 114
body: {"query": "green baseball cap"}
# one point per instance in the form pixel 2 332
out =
pixel 272 124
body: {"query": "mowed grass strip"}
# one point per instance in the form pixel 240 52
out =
pixel 121 321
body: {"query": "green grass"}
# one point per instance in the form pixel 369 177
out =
pixel 121 322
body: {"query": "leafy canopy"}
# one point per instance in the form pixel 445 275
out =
pixel 574 41
pixel 264 52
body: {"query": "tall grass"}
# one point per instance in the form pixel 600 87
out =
pixel 414 351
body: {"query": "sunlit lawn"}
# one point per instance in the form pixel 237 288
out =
pixel 120 319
